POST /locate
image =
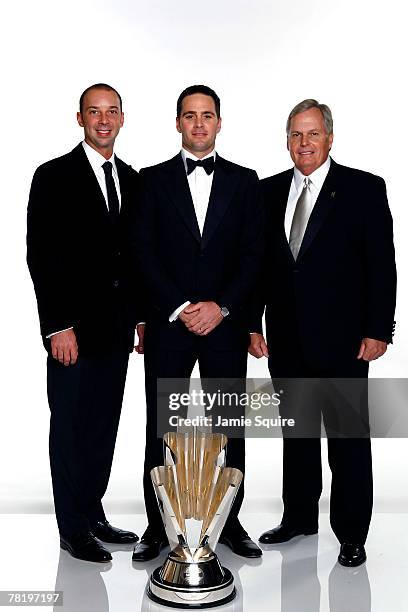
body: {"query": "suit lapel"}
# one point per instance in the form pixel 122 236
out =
pixel 322 207
pixel 178 189
pixel 125 192
pixel 282 197
pixel 87 181
pixel 123 175
pixel 224 184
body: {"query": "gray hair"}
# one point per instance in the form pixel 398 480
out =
pixel 308 104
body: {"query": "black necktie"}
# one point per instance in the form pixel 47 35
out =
pixel 113 200
pixel 207 164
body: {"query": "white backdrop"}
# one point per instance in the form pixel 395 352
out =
pixel 262 58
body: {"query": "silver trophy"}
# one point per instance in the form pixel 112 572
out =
pixel 195 492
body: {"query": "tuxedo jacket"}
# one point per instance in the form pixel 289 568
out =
pixel 78 257
pixel 179 264
pixel 342 286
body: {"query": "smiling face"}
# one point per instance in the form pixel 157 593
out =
pixel 101 118
pixel 198 124
pixel 308 142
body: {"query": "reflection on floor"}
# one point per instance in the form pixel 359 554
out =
pixel 300 576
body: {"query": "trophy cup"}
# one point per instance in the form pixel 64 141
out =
pixel 195 492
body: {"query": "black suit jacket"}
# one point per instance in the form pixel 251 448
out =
pixel 180 265
pixel 342 286
pixel 78 258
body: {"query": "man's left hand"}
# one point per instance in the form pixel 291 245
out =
pixel 140 329
pixel 206 316
pixel 371 349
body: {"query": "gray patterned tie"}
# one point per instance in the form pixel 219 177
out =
pixel 300 219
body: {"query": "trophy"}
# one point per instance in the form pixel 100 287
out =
pixel 195 492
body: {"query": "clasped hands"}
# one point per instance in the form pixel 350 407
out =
pixel 201 318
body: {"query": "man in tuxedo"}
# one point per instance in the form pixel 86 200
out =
pixel 329 312
pixel 198 240
pixel 78 257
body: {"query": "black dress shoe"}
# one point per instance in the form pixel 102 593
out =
pixel 283 533
pixel 107 533
pixel 86 547
pixel 240 543
pixel 352 555
pixel 149 546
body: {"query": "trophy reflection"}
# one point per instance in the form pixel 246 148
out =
pixel 195 492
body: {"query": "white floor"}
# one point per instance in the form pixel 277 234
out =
pixel 301 576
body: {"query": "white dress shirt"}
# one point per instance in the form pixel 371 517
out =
pixel 317 179
pixel 97 160
pixel 200 184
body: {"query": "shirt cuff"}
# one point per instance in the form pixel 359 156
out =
pixel 174 315
pixel 58 332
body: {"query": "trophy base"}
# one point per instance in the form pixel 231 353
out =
pixel 191 597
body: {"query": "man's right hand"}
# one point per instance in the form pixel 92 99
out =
pixel 64 347
pixel 258 347
pixel 186 317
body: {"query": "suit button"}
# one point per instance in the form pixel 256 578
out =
pixel 295 271
pixel 116 283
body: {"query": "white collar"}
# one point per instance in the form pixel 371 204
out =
pixel 96 159
pixel 317 177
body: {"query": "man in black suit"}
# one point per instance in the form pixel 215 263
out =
pixel 198 239
pixel 78 256
pixel 329 312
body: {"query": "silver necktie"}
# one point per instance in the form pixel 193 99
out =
pixel 300 219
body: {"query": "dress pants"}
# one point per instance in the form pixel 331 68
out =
pixel 85 400
pixel 349 457
pixel 165 362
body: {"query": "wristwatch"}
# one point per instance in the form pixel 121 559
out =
pixel 224 311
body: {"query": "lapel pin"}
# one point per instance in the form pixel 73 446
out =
pixel 333 193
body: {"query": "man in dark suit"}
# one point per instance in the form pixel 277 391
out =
pixel 198 239
pixel 78 256
pixel 329 312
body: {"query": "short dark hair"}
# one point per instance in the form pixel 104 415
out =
pixel 202 89
pixel 98 86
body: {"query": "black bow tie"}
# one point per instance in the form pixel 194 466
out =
pixel 207 164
